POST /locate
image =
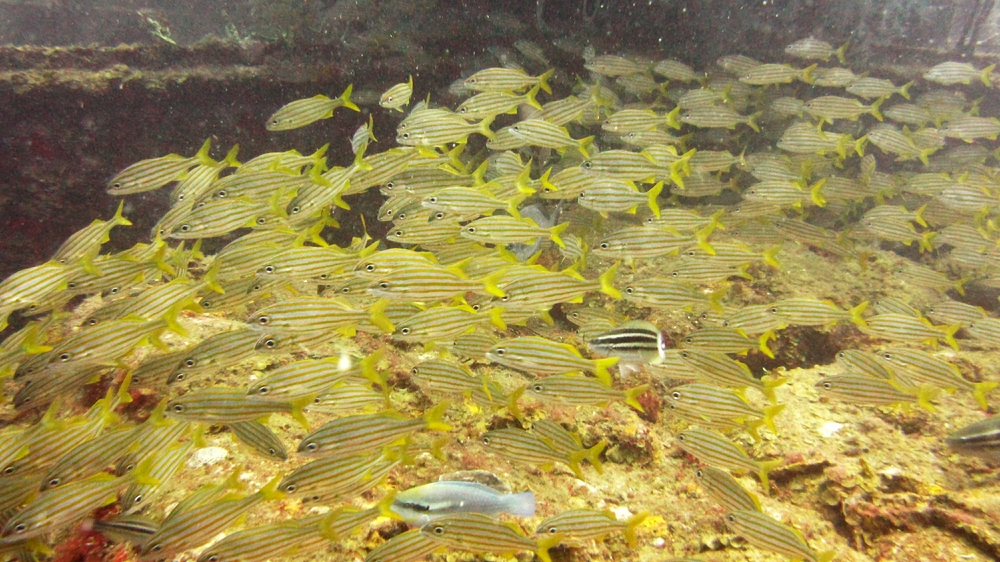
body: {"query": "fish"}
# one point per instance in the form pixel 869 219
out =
pixel 767 74
pixel 271 541
pixel 353 435
pixel 84 245
pixel 584 391
pixel 715 449
pixel 924 368
pixel 300 113
pixel 901 327
pixel 227 405
pixel 613 66
pixel 154 173
pixel 475 532
pixel 397 96
pixel 260 439
pixel 726 490
pixel 579 525
pixel 812 48
pixel 404 547
pixel 507 80
pixel 762 531
pixel 526 447
pixel 187 528
pixel 538 132
pixel 977 439
pixel 306 315
pixel 421 505
pixel 634 343
pixel 949 73
pixel 711 402
pixel 329 478
pixel 536 354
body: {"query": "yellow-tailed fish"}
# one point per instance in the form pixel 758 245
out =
pixel 306 111
pixel 579 525
pixel 504 80
pixel 397 96
pixel 154 173
pixel 353 435
pixel 584 391
pixel 726 490
pixel 868 390
pixel 540 355
pixel 764 532
pixel 526 447
pixel 716 449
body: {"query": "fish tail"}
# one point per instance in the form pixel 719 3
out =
pixel 925 241
pixel 769 413
pixel 651 196
pixel 752 121
pixel 632 395
pixel 815 195
pixel 856 314
pixel 764 468
pixel 753 428
pixel 715 298
pixel 925 394
pixel 119 218
pixel 484 127
pixel 512 402
pixel 211 278
pixel 826 556
pixel 433 418
pixel 985 75
pixel 807 74
pixel 949 335
pixel 496 318
pixel 529 98
pixel 905 90
pixel 270 490
pixel 841 52
pixel 490 283
pixel 555 231
pixel 543 80
pixel 296 407
pixel 520 505
pixel 768 386
pixel 924 154
pixel 671 118
pixel 918 215
pixel 377 315
pixel 345 98
pixel 960 286
pixel 601 367
pixel 859 146
pixel 593 455
pixel 874 108
pixel 630 526
pixel 583 144
pixel 202 155
pixel 770 258
pixel 607 282
pixel 368 367
pixel 701 237
pixel 980 389
pixel 762 343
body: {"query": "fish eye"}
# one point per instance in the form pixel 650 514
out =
pixel 71 285
pixel 486 440
pixel 388 212
pixel 505 298
pixel 271 450
pixel 588 164
pixel 439 215
pixel 179 377
pixel 405 136
pixel 92 322
pixel 185 227
pixel 9 470
pixel 180 197
pixel 270 343
pixel 604 245
pixel 887 356
pixel 414 370
pixel 684 355
pixel 221 193
pixel 552 530
pixel 827 385
pixel 462 110
pixel 439 530
pixel 383 285
pixel 178 408
pixel 20 528
pixel 65 357
pixel 515 128
pixel 296 209
pixel 404 331
pixel 398 233
pixel 312 446
pixel 471 230
pixel 345 290
pixel 390 185
pixel 261 220
pixel 388 98
pixel 688 340
pixel 190 363
pixel 538 388
pixel 156 548
pixel 137 498
pixel 731 517
pixel 116 185
pixel 54 482
pixel 773 310
pixel 476 307
pixel 323 276
pixel 269 269
pixel 290 488
pixel 204 304
pixel 470 81
pixel 213 558
pixel 263 320
pixel 681 437
pixel 500 351
pixel 263 390
pixel 725 323
pixel 370 267
pixel 675 395
pixel 114 290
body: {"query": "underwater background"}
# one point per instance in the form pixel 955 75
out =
pixel 403 280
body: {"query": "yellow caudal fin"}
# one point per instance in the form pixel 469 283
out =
pixel 651 196
pixel 763 469
pixel 815 195
pixel 856 313
pixel 601 367
pixel 949 334
pixel 841 52
pixel 555 231
pixel 632 396
pixel 545 543
pixel 769 383
pixel 874 108
pixel 980 389
pixel 543 80
pixel 345 98
pixel 594 455
pixel 905 90
pixel 752 121
pixel 512 402
pixel 433 418
pixel 377 316
pixel 769 413
pixel 630 526
pixel 607 282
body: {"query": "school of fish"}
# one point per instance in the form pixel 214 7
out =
pixel 557 245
